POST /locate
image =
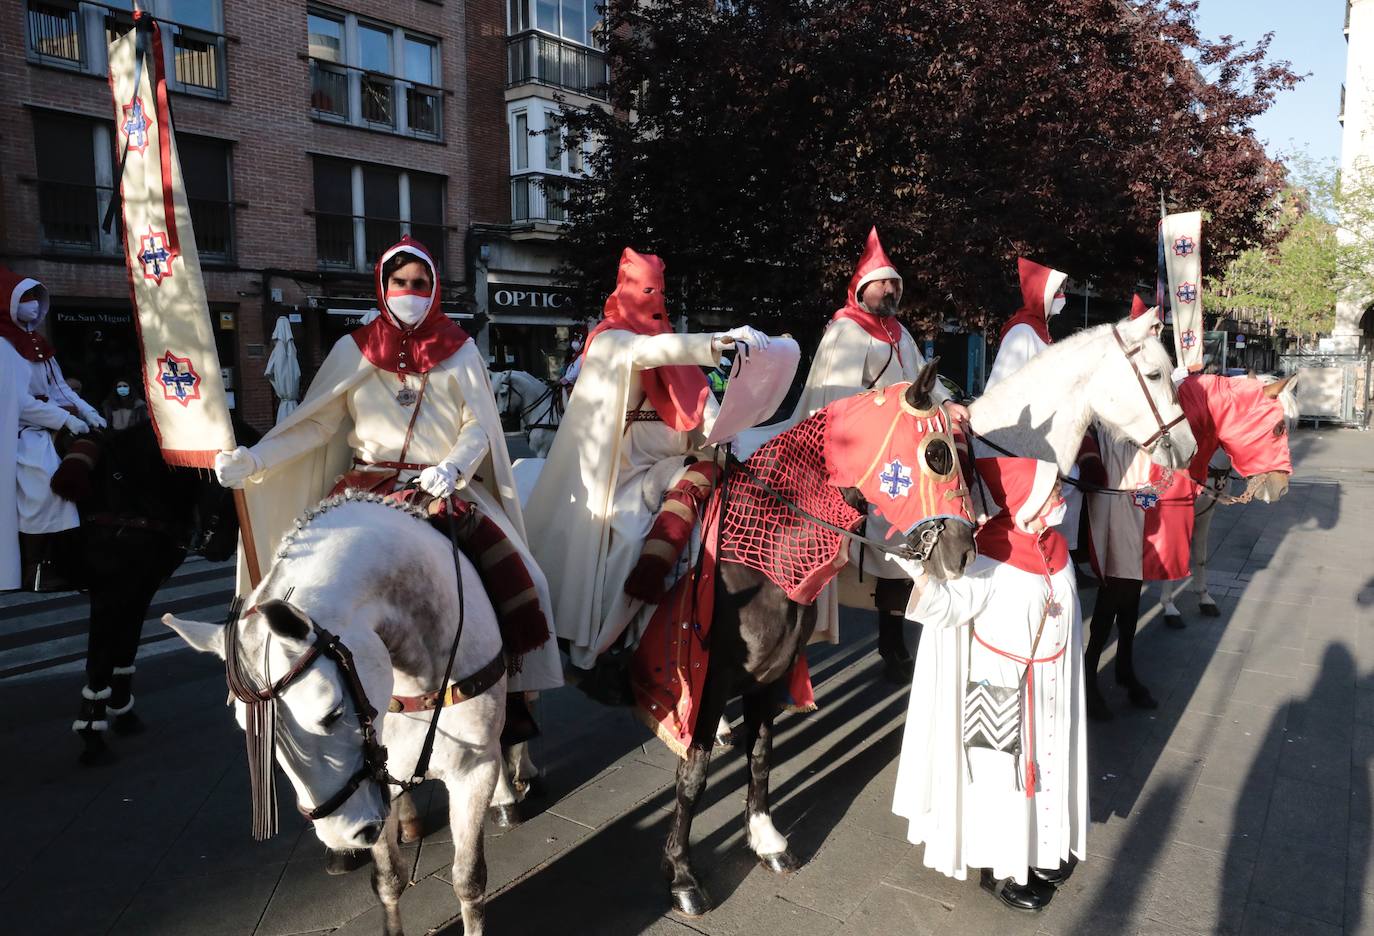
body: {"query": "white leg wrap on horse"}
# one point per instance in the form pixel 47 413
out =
pixel 122 709
pixel 724 734
pixel 88 693
pixel 97 725
pixel 764 839
pixel 124 670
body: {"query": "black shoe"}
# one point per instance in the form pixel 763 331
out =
pixel 520 724
pixel 1096 705
pixel 898 667
pixel 1175 622
pixel 608 682
pixel 1140 697
pixel 1031 897
pixel 1058 876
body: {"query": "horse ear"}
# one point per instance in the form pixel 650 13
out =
pixel 285 619
pixel 1136 330
pixel 1275 389
pixel 918 394
pixel 201 637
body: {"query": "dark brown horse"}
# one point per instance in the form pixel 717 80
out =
pixel 756 635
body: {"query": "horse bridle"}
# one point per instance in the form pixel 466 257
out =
pixel 520 411
pixel 1161 436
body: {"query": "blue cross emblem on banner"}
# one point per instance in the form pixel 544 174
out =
pixel 178 378
pixel 136 125
pixel 1184 245
pixel 155 257
pixel 1187 292
pixel 896 479
pixel 1145 499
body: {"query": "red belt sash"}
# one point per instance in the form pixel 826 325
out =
pixel 1029 663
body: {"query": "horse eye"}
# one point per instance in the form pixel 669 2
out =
pixel 1280 429
pixel 1153 375
pixel 939 459
pixel 332 717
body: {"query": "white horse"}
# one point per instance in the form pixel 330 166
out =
pixel 397 613
pixel 537 403
pixel 1204 509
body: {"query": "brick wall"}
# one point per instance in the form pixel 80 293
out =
pixel 266 118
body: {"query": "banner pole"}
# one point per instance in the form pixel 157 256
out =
pixel 247 543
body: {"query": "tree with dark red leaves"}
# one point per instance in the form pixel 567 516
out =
pixel 752 144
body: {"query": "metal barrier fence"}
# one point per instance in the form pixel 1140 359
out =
pixel 1332 388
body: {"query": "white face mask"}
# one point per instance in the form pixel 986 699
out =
pixel 1056 516
pixel 122 389
pixel 576 344
pixel 1057 306
pixel 408 308
pixel 28 311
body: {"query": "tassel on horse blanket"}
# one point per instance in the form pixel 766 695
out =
pixel 72 479
pixel 670 533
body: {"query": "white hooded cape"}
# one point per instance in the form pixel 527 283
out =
pixel 849 361
pixel 280 494
pixel 571 509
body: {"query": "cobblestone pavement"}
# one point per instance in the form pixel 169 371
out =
pixel 1243 805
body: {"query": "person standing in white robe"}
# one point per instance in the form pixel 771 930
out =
pixel 1019 815
pixel 35 404
pixel 1024 336
pixel 636 421
pixel 864 348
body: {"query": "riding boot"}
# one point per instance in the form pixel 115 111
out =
pixel 90 724
pixel 1099 630
pixel 898 664
pixel 520 723
pixel 125 720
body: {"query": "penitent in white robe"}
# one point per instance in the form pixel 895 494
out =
pixel 970 810
pixel 351 412
pixel 848 361
pixel 43 403
pixel 603 485
pixel 1016 350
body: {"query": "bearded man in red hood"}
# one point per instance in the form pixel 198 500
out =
pixel 638 419
pixel 35 404
pixel 864 348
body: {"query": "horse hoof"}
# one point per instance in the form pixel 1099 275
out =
pixel 533 788
pixel 412 830
pixel 1174 621
pixel 127 724
pixel 725 740
pixel 690 901
pixel 1209 610
pixel 506 816
pixel 782 863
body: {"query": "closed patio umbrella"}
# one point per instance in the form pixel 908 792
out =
pixel 283 369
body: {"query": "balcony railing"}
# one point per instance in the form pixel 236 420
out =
pixel 55 32
pixel 197 58
pixel 380 97
pixel 536 197
pixel 541 59
pixel 70 214
pixel 336 239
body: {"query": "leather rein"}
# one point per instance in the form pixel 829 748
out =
pixel 522 412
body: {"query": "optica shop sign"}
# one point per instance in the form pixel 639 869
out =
pixel 519 297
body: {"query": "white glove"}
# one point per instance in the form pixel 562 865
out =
pixel 96 420
pixel 76 425
pixel 911 567
pixel 441 480
pixel 745 333
pixel 232 469
pixel 1179 374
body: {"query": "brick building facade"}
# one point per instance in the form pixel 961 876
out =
pixel 312 136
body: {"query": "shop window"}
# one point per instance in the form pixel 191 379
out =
pixel 361 209
pixel 391 81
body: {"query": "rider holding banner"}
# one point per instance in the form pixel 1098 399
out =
pixel 406 399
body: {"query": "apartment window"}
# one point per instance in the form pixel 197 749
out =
pixel 542 162
pixel 206 170
pixel 69 34
pixel 70 199
pixel 372 74
pixel 575 20
pixel 555 42
pixel 362 209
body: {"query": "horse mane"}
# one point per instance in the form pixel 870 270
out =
pixel 329 504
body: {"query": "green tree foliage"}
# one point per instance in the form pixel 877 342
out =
pixel 752 144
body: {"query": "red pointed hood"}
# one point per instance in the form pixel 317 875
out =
pixel 25 337
pixel 389 345
pixel 873 265
pixel 677 392
pixel 1021 486
pixel 1039 286
pixel 1138 307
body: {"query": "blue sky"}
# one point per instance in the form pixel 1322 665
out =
pixel 1309 34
